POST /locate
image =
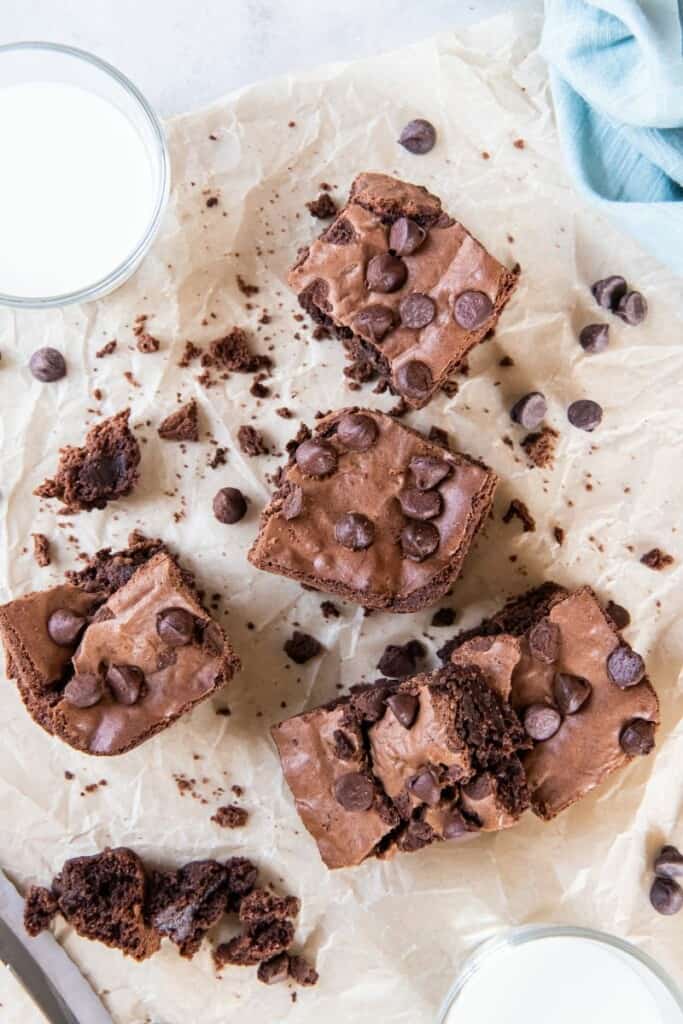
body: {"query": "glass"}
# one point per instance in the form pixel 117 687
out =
pixel 648 977
pixel 28 62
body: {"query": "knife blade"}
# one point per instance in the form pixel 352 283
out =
pixel 44 969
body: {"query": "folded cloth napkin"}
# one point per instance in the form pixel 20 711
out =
pixel 616 69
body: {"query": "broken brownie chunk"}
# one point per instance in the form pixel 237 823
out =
pixel 105 468
pixel 370 510
pixel 579 688
pixel 397 766
pixel 405 286
pixel 181 425
pixel 118 653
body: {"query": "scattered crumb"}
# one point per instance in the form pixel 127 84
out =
pixel 41 550
pixel 443 617
pixel 245 288
pixel 656 559
pixel 506 361
pixel 230 816
pixel 212 201
pixel 251 441
pixel 219 458
pixel 106 350
pixel 518 510
pixel 540 447
pixel 181 425
pixel 146 343
pixel 329 610
pixel 519 143
pixel 558 534
pixel 301 647
pixel 284 413
pixel 323 207
pixel 190 353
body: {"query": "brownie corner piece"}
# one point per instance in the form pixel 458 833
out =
pixel 580 689
pixel 117 653
pixel 372 511
pixel 406 287
pixel 106 467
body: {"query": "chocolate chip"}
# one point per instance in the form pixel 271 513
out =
pixel 175 626
pixel 354 792
pixel 374 322
pixel 585 414
pixel 64 627
pixel 669 863
pixel 541 721
pixel 293 502
pixel 443 617
pixel 404 707
pixel 479 788
pixel 47 365
pixel 414 379
pixel 301 647
pixel 571 692
pixel 638 737
pixel 357 431
pixel 609 291
pixel 229 505
pixel 632 308
pixel 418 136
pixel 84 690
pixel 471 309
pixel 455 826
pixel 544 641
pixel 666 896
pixel 385 273
pixel 429 471
pixel 344 748
pixel 419 540
pixel 417 310
pixel 530 410
pixel 406 236
pixel 125 682
pixel 619 615
pixel 275 970
pixel 420 504
pixel 625 667
pixel 426 788
pixel 354 531
pixel 594 338
pixel 315 458
pixel 400 660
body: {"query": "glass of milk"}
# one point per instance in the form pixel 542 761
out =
pixel 561 975
pixel 84 176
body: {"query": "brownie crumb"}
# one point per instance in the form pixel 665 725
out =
pixel 518 510
pixel 219 458
pixel 400 660
pixel 106 350
pixel 558 534
pixel 301 647
pixel 284 413
pixel 212 201
pixel 323 207
pixel 301 971
pixel 399 410
pixel 232 353
pixel 439 436
pixel 519 144
pixel 230 816
pixel 506 361
pixel 540 447
pixel 181 425
pixel 40 907
pixel 246 288
pixel 320 333
pixel 41 550
pixel 656 559
pixel 69 776
pixel 251 441
pixel 190 353
pixel 258 389
pixel 146 343
pixel 443 617
pixel 329 610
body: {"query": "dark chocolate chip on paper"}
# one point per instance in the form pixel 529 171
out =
pixel 632 308
pixel 530 410
pixel 47 365
pixel 418 136
pixel 594 338
pixel 229 505
pixel 585 414
pixel 666 896
pixel 609 291
pixel 669 863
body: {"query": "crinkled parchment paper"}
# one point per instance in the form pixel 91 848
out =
pixel 386 937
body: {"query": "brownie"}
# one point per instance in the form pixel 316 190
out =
pixel 558 649
pixel 398 766
pixel 181 425
pixel 406 287
pixel 370 510
pixel 118 652
pixel 113 898
pixel 105 468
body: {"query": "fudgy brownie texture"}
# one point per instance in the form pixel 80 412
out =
pixel 111 897
pixel 118 652
pixel 400 765
pixel 372 511
pixel 576 684
pixel 105 468
pixel 406 288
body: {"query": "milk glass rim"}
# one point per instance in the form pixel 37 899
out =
pixel 159 150
pixel 530 933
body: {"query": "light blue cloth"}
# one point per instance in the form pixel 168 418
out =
pixel 616 69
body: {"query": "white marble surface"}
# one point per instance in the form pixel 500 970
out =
pixel 185 53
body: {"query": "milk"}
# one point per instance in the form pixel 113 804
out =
pixel 77 189
pixel 563 980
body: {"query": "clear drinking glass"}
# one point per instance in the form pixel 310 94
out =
pixel 27 62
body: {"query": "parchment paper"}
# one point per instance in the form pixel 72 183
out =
pixel 387 937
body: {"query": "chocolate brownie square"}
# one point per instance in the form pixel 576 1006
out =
pixel 372 511
pixel 405 286
pixel 397 766
pixel 116 654
pixel 578 687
